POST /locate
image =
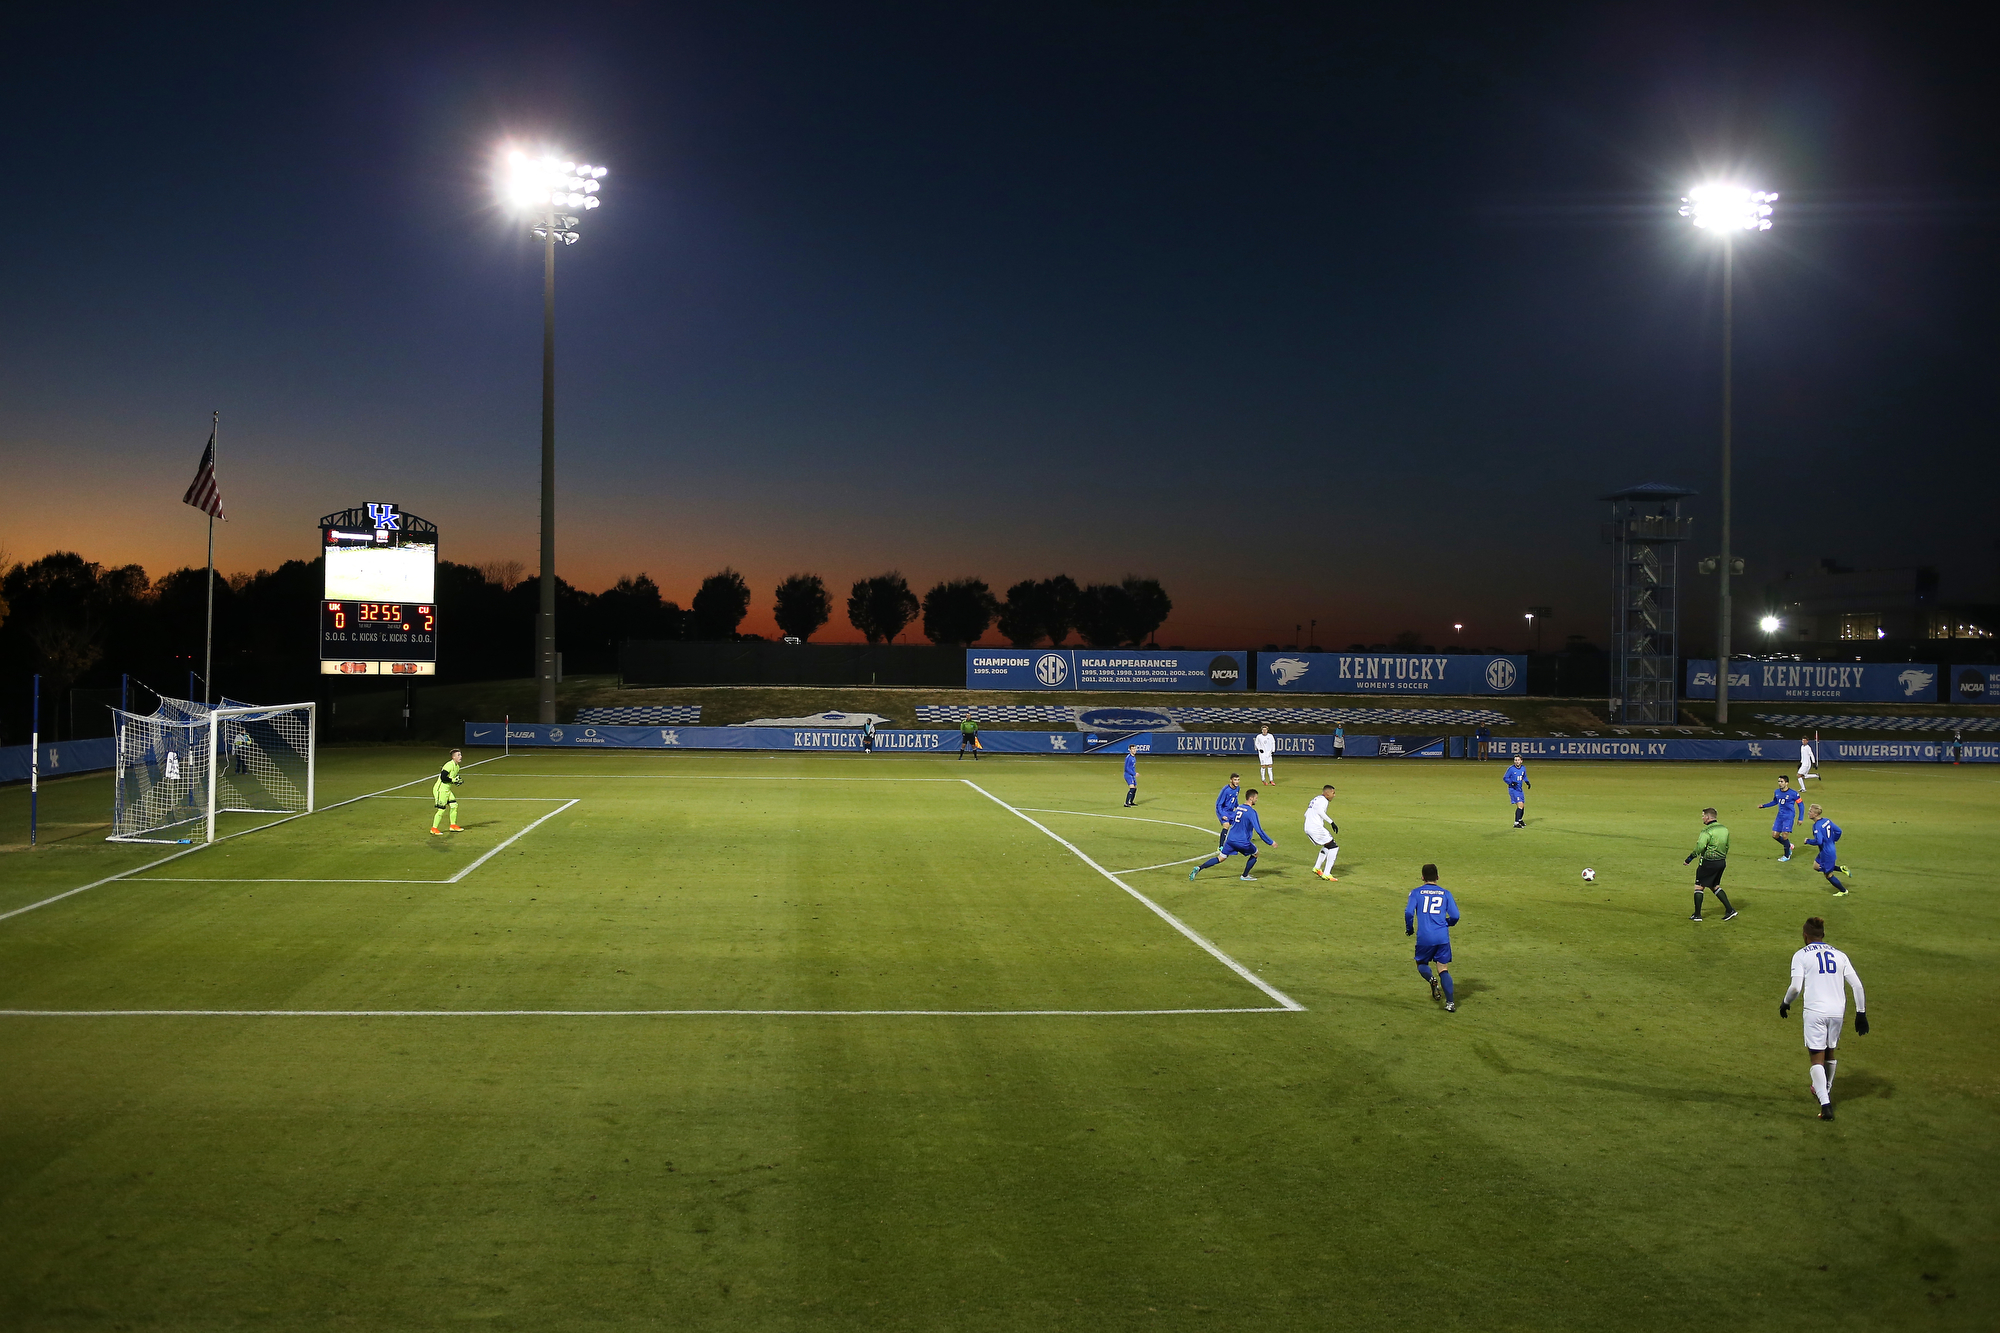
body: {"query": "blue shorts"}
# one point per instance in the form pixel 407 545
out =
pixel 1517 795
pixel 1781 825
pixel 1231 849
pixel 1434 953
pixel 1825 862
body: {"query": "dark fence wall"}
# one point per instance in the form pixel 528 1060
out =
pixel 681 662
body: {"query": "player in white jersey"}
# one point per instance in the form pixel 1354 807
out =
pixel 1320 828
pixel 1819 971
pixel 1266 746
pixel 1808 763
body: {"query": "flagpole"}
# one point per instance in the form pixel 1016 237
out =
pixel 208 638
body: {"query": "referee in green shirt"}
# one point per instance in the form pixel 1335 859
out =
pixel 1711 846
pixel 968 737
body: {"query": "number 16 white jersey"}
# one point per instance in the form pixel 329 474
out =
pixel 1819 971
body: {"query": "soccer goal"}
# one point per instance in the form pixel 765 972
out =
pixel 184 764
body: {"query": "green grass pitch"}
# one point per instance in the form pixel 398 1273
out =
pixel 786 1042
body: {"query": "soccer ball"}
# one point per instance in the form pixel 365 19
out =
pixel 1589 875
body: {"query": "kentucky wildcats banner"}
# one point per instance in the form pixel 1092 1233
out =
pixel 1392 673
pixel 1850 682
pixel 1104 669
pixel 1639 747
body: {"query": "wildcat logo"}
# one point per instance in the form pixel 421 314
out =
pixel 1914 681
pixel 1289 669
pixel 669 737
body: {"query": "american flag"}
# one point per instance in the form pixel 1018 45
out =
pixel 202 492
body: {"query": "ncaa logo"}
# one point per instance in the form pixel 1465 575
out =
pixel 1224 672
pixel 1500 674
pixel 1051 670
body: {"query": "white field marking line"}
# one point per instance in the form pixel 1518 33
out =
pixel 1283 999
pixel 1137 819
pixel 138 870
pixel 1164 864
pixel 180 879
pixel 624 1013
pixel 511 841
pixel 470 800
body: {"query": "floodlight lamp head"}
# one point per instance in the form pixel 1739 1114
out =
pixel 1728 208
pixel 1769 624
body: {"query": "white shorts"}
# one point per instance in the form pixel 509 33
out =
pixel 1264 760
pixel 1823 1031
pixel 1320 838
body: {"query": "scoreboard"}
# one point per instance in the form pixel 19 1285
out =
pixel 378 612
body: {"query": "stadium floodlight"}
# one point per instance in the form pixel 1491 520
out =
pixel 542 187
pixel 1726 210
pixel 1769 624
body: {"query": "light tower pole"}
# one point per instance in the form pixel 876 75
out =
pixel 1726 210
pixel 544 187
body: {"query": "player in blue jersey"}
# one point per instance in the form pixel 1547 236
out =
pixel 1238 841
pixel 1429 915
pixel 1131 776
pixel 1787 802
pixel 1516 778
pixel 1825 833
pixel 1225 807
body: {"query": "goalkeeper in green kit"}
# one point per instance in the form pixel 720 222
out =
pixel 444 797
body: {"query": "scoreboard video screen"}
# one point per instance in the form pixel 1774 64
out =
pixel 378 615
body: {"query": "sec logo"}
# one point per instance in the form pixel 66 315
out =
pixel 1499 674
pixel 1051 670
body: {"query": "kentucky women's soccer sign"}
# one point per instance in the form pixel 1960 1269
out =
pixel 1392 673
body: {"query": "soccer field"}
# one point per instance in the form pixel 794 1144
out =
pixel 811 1042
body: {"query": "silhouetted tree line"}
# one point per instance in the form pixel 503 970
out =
pixel 81 624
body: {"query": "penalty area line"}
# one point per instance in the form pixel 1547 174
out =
pixel 1183 927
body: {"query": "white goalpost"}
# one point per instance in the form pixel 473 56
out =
pixel 184 764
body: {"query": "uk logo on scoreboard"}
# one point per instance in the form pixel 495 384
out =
pixel 384 517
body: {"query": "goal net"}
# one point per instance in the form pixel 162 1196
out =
pixel 185 763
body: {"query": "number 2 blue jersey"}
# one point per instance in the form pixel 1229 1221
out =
pixel 1433 913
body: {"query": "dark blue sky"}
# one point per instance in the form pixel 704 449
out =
pixel 1308 312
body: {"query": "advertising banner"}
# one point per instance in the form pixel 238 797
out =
pixel 1637 747
pixel 1907 752
pixel 1974 684
pixel 1104 669
pixel 1849 682
pixel 59 758
pixel 1392 673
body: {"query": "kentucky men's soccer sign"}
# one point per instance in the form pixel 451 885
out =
pixel 1104 669
pixel 1852 682
pixel 1392 673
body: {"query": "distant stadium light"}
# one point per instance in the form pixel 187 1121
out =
pixel 1727 208
pixel 1769 624
pixel 541 187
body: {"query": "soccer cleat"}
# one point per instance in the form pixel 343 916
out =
pixel 1731 915
pixel 1786 857
pixel 1695 917
pixel 1248 879
pixel 1840 893
pixel 1194 872
pixel 1451 1006
pixel 458 828
pixel 1842 870
pixel 437 833
pixel 1437 991
pixel 1826 1110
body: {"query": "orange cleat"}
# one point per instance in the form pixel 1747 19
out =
pixel 437 833
pixel 458 828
